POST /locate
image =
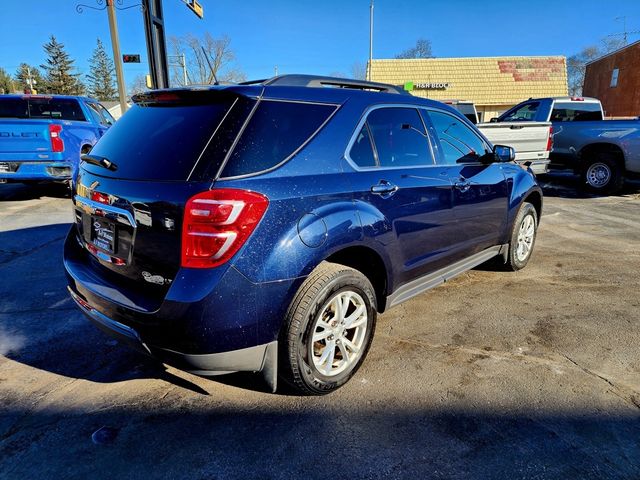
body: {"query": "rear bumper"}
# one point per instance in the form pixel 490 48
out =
pixel 19 171
pixel 259 358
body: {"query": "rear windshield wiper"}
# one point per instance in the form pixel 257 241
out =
pixel 99 161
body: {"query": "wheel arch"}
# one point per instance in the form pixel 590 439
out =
pixel 594 149
pixel 535 198
pixel 368 262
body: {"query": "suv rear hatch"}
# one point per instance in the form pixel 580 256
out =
pixel 131 191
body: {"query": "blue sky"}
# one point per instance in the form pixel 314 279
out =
pixel 323 37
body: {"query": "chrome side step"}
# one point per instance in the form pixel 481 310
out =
pixel 431 280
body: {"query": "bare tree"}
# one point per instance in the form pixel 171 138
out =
pixel 421 50
pixel 138 85
pixel 207 59
pixel 577 64
pixel 359 71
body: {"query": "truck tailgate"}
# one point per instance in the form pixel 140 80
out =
pixel 25 136
pixel 529 139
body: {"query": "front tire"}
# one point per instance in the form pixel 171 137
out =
pixel 602 175
pixel 328 329
pixel 523 237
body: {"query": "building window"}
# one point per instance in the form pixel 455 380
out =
pixel 614 78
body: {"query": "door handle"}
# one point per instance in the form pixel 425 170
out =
pixel 462 185
pixel 384 188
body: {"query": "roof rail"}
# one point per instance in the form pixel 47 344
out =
pixel 297 80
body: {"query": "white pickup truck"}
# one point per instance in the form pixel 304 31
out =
pixel 532 141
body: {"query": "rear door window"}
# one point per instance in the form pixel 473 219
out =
pixel 361 152
pixel 165 141
pixel 399 137
pixel 100 114
pixel 576 112
pixel 276 131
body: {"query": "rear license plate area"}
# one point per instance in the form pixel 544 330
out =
pixel 103 234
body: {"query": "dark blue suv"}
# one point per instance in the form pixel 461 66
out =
pixel 262 227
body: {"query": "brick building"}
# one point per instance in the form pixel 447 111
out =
pixel 494 84
pixel 615 80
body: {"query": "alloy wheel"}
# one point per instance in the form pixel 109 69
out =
pixel 339 334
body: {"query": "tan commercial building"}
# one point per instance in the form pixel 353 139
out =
pixel 494 84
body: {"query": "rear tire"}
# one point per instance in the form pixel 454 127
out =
pixel 602 174
pixel 328 329
pixel 523 237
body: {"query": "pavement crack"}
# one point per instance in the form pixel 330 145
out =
pixel 625 393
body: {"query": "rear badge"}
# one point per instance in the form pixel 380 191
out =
pixel 157 279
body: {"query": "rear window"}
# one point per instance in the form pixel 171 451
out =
pixel 275 132
pixel 164 141
pixel 576 112
pixel 49 108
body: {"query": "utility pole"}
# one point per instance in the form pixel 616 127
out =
pixel 370 40
pixel 29 79
pixel 179 60
pixel 184 69
pixel 117 57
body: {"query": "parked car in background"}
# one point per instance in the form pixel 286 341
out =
pixel 262 227
pixel 531 141
pixel 43 136
pixel 603 152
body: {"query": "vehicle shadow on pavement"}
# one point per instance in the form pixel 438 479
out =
pixel 40 326
pixel 163 439
pixel 22 192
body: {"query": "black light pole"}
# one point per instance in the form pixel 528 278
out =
pixel 156 45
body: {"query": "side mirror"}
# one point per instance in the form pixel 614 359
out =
pixel 504 153
pixel 494 120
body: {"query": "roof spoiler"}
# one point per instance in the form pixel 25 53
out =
pixel 185 95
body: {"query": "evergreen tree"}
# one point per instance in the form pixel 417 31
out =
pixel 100 79
pixel 59 70
pixel 25 72
pixel 6 82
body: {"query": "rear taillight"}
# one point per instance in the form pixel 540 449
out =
pixel 550 140
pixel 57 145
pixel 217 223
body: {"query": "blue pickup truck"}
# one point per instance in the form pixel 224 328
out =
pixel 43 136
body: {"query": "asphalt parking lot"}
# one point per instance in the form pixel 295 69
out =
pixel 527 375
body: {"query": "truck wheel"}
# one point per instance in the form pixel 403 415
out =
pixel 602 174
pixel 328 329
pixel 523 237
